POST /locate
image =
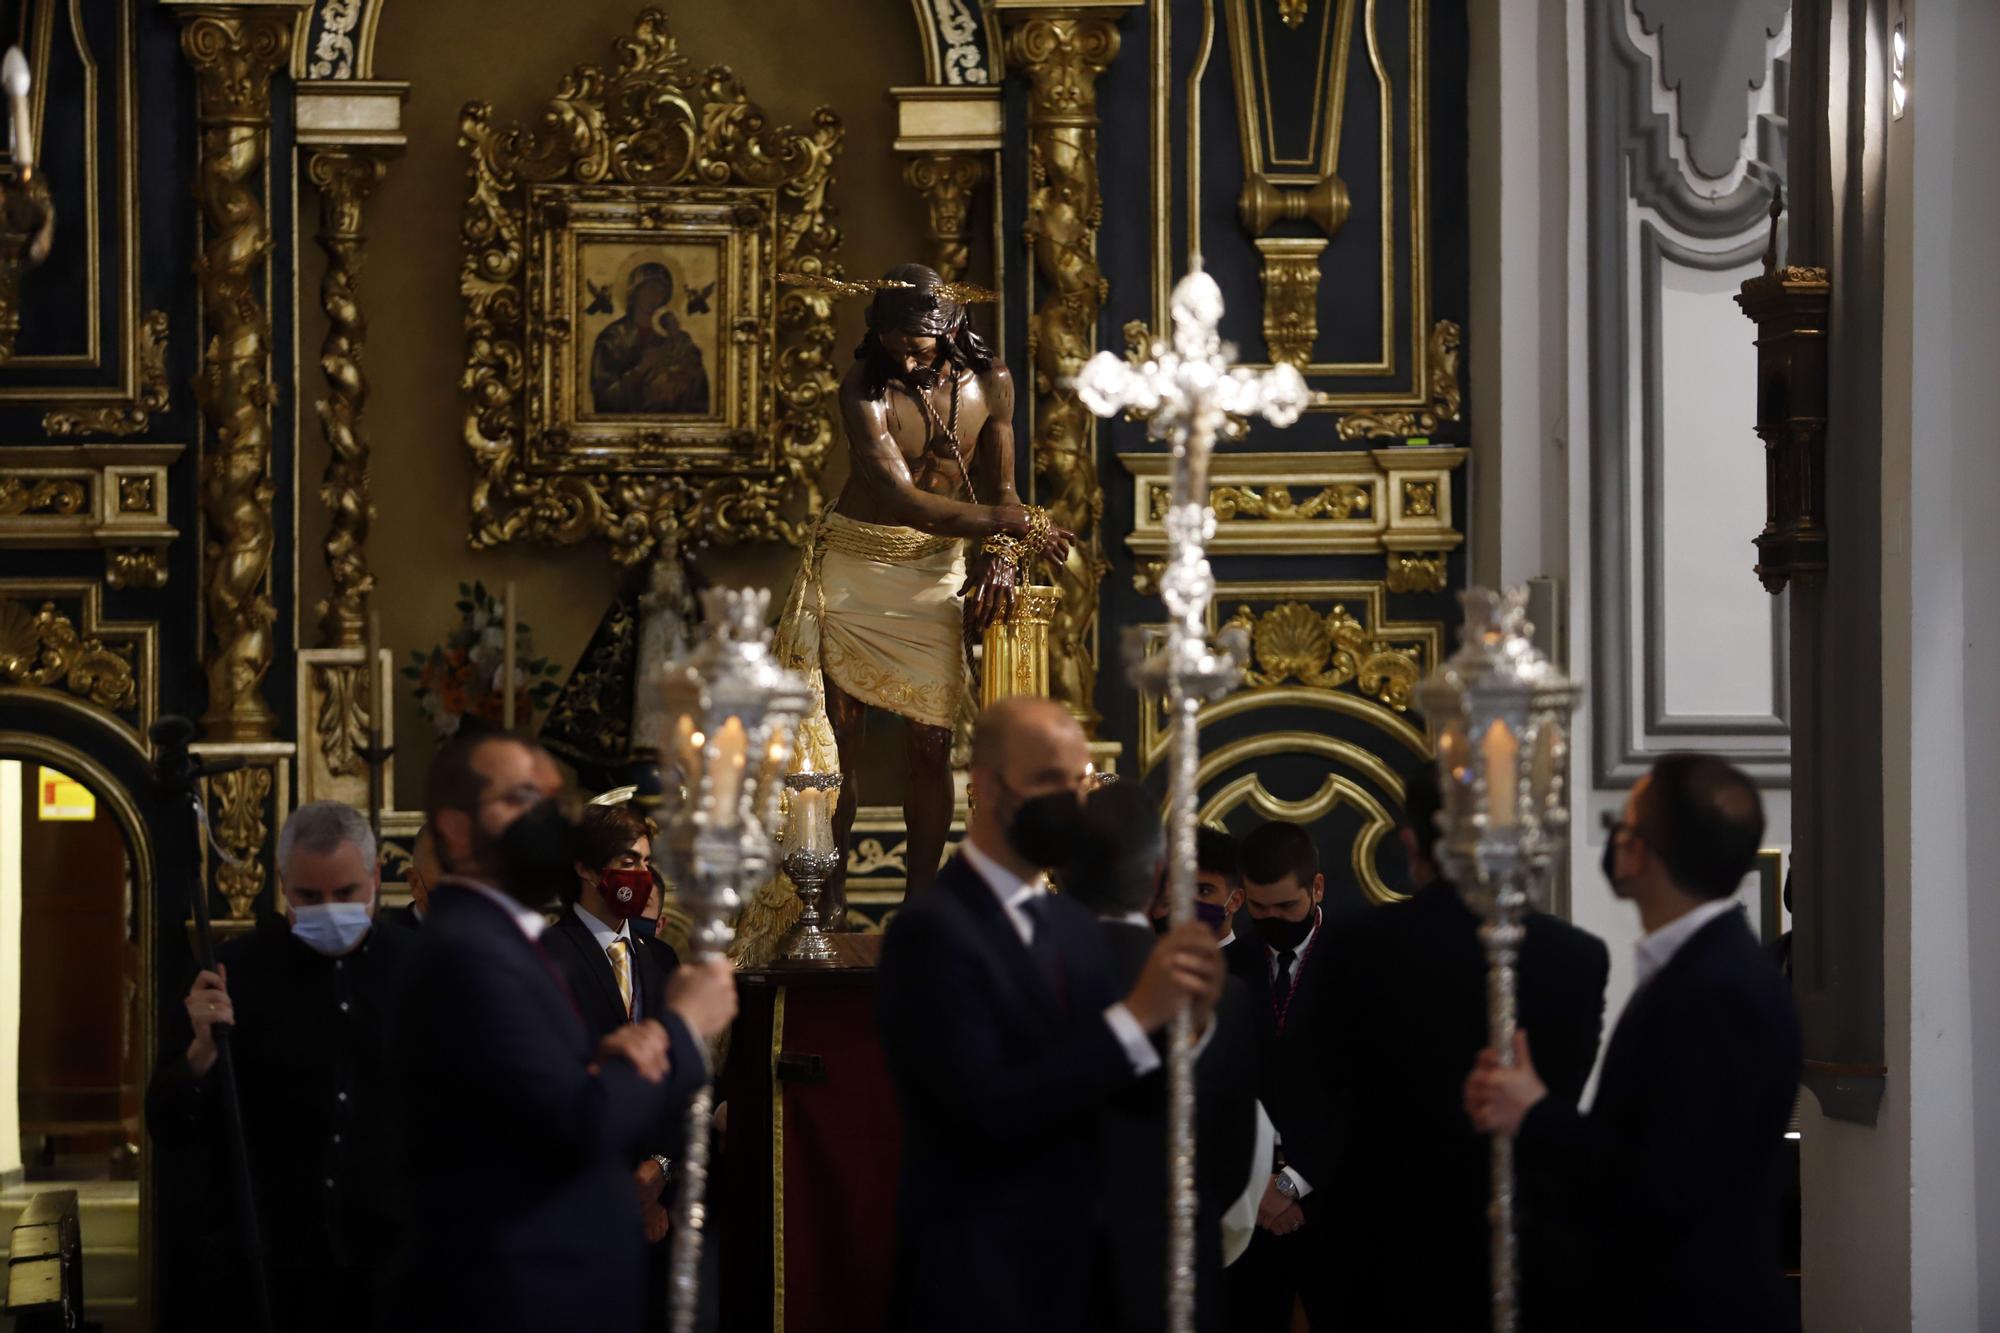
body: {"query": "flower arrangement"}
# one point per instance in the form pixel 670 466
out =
pixel 460 678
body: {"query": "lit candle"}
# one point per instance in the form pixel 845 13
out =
pixel 813 813
pixel 1501 753
pixel 730 746
pixel 507 659
pixel 14 73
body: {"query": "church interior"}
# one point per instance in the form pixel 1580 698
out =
pixel 376 374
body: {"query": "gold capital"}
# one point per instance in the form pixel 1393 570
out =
pixel 947 182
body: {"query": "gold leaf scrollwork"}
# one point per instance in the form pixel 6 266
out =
pixel 240 828
pixel 1292 641
pixel 1277 503
pixel 645 119
pixel 1291 296
pixel 1293 12
pixel 1446 399
pixel 133 415
pixel 1420 499
pixel 29 495
pixel 342 724
pixel 45 650
pixel 1416 571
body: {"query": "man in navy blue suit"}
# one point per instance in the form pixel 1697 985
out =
pixel 1005 1037
pixel 1674 1173
pixel 521 1171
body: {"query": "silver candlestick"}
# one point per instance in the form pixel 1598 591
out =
pixel 810 862
pixel 730 714
pixel 1188 392
pixel 1500 712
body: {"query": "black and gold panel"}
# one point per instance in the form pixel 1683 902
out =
pixel 1313 154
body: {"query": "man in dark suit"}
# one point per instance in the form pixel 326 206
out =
pixel 1406 1234
pixel 619 977
pixel 1675 1171
pixel 1004 1037
pixel 1281 963
pixel 521 1180
pixel 1117 870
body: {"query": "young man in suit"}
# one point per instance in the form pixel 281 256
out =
pixel 1405 1233
pixel 1286 971
pixel 521 1182
pixel 1005 1036
pixel 1218 885
pixel 1118 869
pixel 619 976
pixel 1675 1171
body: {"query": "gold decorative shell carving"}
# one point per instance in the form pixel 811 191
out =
pixel 1326 650
pixel 653 135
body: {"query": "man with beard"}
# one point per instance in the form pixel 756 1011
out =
pixel 1005 1038
pixel 522 1201
pixel 883 601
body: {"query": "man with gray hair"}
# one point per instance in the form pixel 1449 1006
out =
pixel 308 997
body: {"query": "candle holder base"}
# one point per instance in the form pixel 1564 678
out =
pixel 808 941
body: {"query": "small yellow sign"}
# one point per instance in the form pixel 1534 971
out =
pixel 61 796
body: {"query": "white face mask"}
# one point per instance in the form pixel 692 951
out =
pixel 331 928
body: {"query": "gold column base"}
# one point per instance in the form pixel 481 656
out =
pixel 1015 651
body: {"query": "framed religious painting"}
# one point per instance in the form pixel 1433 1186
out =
pixel 633 372
pixel 649 329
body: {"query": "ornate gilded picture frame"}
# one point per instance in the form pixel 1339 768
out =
pixel 649 335
pixel 633 371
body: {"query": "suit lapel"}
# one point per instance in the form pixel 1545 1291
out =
pixel 996 932
pixel 602 993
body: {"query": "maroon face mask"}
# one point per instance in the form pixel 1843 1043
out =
pixel 626 891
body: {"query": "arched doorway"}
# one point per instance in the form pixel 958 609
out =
pixel 77 867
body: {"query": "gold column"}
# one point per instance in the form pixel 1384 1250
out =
pixel 1063 51
pixel 345 175
pixel 235 49
pixel 947 182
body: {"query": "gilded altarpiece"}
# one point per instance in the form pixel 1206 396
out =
pixel 1313 153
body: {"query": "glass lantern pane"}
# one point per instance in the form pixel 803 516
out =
pixel 1500 755
pixel 1543 773
pixel 730 755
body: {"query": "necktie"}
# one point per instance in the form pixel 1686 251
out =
pixel 1043 947
pixel 621 970
pixel 1281 982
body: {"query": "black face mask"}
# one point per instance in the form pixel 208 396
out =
pixel 1282 935
pixel 1044 829
pixel 645 927
pixel 537 854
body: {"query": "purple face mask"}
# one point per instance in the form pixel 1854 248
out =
pixel 1211 915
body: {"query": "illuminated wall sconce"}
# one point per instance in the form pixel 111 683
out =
pixel 1899 71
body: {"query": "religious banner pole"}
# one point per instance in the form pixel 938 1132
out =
pixel 1188 393
pixel 1500 713
pixel 731 711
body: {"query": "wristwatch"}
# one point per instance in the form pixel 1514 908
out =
pixel 666 1170
pixel 1286 1186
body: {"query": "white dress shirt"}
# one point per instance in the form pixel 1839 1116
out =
pixel 1653 952
pixel 605 937
pixel 531 922
pixel 1014 894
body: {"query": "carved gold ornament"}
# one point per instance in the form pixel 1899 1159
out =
pixel 638 147
pixel 1063 52
pixel 957 293
pixel 234 53
pixel 44 650
pixel 1291 296
pixel 137 567
pixel 1416 571
pixel 341 725
pixel 32 495
pixel 1445 396
pixel 1325 651
pixel 1337 502
pixel 238 811
pixel 1420 499
pixel 947 182
pixel 132 415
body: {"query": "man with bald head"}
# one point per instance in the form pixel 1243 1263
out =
pixel 1005 1037
pixel 1674 1173
pixel 523 1207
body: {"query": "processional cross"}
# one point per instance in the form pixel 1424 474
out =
pixel 1188 392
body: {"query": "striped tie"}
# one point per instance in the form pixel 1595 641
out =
pixel 621 969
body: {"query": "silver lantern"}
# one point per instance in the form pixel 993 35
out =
pixel 1500 714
